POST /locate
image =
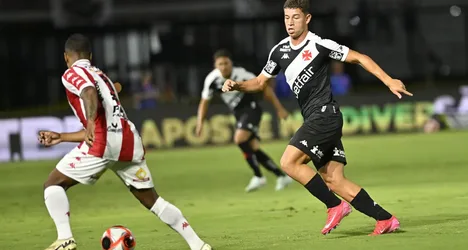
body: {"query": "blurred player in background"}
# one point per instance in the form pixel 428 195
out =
pixel 305 58
pixel 108 141
pixel 248 113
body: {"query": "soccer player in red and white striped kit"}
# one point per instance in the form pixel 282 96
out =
pixel 109 140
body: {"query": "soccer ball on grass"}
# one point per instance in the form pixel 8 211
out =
pixel 118 238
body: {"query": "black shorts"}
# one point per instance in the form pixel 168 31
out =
pixel 320 137
pixel 249 118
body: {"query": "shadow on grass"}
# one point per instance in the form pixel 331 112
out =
pixel 406 223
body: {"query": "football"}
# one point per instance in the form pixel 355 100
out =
pixel 118 238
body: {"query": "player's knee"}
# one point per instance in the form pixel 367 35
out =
pixel 57 179
pixel 287 164
pixel 239 140
pixel 242 136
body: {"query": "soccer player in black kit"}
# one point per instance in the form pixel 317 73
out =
pixel 305 58
pixel 248 112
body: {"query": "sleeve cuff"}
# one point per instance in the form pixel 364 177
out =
pixel 345 54
pixel 268 75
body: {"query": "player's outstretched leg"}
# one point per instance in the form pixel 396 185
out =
pixel 56 201
pixel 170 215
pixel 242 139
pixel 282 180
pixel 293 163
pixel 333 175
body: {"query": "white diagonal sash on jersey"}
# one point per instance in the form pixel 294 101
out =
pixel 114 142
pixel 297 66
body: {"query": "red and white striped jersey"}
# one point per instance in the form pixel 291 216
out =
pixel 116 137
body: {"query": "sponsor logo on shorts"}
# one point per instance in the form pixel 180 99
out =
pixel 304 142
pixel 141 176
pixel 339 153
pixel 317 152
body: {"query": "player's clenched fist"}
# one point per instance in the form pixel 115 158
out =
pixel 49 138
pixel 229 85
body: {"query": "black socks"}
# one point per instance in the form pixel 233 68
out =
pixel 250 158
pixel 266 161
pixel 364 204
pixel 319 189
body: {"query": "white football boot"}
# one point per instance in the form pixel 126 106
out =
pixel 68 244
pixel 256 183
pixel 282 182
pixel 206 247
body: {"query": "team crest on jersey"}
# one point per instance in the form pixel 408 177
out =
pixel 306 55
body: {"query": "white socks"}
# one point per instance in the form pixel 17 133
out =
pixel 57 203
pixel 173 217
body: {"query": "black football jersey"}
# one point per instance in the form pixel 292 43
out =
pixel 306 67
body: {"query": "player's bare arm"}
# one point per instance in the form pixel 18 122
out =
pixel 202 110
pixel 256 84
pixel 395 85
pixel 270 96
pixel 51 138
pixel 90 101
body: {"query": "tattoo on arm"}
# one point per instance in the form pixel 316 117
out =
pixel 90 100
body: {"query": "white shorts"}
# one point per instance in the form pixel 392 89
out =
pixel 87 169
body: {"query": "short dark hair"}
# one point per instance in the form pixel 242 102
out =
pixel 303 5
pixel 78 43
pixel 222 53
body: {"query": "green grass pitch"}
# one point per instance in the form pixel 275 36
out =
pixel 420 178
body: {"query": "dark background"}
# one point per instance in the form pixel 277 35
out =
pixel 421 42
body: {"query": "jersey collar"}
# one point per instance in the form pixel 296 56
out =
pixel 82 62
pixel 307 38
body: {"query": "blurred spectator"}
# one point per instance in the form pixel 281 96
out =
pixel 443 105
pixel 146 96
pixel 340 81
pixel 167 94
